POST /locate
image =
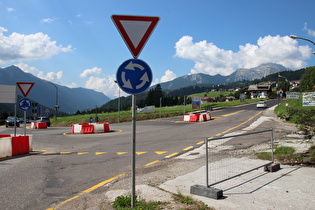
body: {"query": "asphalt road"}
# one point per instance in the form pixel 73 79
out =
pixel 63 166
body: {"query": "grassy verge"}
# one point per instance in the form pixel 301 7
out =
pixel 181 202
pixel 125 116
pixel 287 155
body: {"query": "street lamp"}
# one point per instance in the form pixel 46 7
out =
pixel 56 107
pixel 297 37
pixel 118 102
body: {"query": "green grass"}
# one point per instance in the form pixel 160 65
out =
pixel 288 110
pixel 124 203
pixel 212 94
pixel 125 116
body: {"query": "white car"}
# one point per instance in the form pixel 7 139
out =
pixel 261 104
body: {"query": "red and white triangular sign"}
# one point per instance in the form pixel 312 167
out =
pixel 135 30
pixel 25 87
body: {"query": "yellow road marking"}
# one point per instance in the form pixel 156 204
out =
pixel 99 153
pixel 200 142
pixel 148 164
pixel 187 148
pixel 171 155
pixel 140 153
pixel 82 153
pixel 64 153
pixel 160 152
pixel 225 115
pixel 88 190
pixel 121 153
pixel 45 153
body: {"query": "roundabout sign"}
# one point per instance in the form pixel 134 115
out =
pixel 134 76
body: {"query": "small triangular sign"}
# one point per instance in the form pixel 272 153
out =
pixel 25 87
pixel 135 30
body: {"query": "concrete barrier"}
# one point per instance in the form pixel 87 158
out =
pixel 5 147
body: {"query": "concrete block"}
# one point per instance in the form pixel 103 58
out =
pixel 209 192
pixel 273 167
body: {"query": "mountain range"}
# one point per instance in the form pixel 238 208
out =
pixel 70 100
pixel 239 75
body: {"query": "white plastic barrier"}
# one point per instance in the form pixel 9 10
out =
pixel 32 125
pixel 208 116
pixel 30 139
pixel 5 147
pixel 90 128
pixel 77 128
pixel 186 118
pixel 98 128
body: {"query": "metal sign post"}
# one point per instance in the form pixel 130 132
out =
pixel 133 172
pixel 134 76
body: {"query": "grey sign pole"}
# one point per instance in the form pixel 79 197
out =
pixel 133 172
pixel 24 123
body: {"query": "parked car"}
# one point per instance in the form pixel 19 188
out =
pixel 261 104
pixel 21 120
pixel 10 122
pixel 44 119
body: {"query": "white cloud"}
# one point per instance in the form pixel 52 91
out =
pixel 89 72
pixel 309 31
pixel 50 76
pixel 212 60
pixel 47 20
pixel 72 85
pixel 9 9
pixel 20 47
pixel 168 76
pixel 105 85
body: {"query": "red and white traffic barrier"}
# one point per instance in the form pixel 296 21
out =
pixel 15 145
pixel 197 117
pixel 38 125
pixel 89 128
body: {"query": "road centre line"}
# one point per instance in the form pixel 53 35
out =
pixel 228 130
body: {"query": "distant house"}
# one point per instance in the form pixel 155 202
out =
pixel 259 91
pixel 207 99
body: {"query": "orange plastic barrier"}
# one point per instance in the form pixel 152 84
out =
pixel 194 118
pixel 87 129
pixel 106 127
pixel 40 125
pixel 20 145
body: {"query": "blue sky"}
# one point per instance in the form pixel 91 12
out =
pixel 75 43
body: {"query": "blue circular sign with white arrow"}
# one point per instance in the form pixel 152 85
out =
pixel 25 104
pixel 134 76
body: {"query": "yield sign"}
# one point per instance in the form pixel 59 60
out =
pixel 25 87
pixel 135 30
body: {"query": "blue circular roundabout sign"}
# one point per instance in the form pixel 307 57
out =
pixel 134 76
